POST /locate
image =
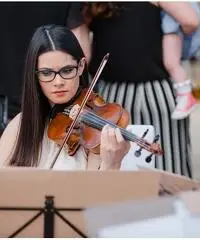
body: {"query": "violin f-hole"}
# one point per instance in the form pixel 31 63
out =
pixel 139 151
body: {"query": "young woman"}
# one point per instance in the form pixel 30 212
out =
pixel 55 70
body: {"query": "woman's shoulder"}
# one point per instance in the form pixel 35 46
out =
pixel 14 124
pixel 9 138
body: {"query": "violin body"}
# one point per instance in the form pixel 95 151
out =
pixel 86 133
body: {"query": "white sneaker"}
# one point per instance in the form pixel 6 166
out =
pixel 186 103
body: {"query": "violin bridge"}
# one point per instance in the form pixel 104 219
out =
pixel 74 111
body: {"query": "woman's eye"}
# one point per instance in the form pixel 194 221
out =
pixel 46 73
pixel 67 70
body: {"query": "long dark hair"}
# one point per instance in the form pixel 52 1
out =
pixel 35 106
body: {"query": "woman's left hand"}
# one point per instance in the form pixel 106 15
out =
pixel 113 148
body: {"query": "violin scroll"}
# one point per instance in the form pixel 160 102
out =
pixel 156 149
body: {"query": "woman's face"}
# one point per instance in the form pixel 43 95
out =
pixel 59 88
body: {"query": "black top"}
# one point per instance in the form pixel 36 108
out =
pixel 18 21
pixel 134 41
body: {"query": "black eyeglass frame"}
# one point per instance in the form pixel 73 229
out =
pixel 58 72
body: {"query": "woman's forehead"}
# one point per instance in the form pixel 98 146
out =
pixel 55 59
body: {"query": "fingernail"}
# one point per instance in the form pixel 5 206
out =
pixel 117 129
pixel 106 126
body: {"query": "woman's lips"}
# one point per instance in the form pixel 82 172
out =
pixel 59 93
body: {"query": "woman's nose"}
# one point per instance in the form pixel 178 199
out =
pixel 58 80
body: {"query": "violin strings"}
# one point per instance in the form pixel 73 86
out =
pixel 99 122
pixel 103 122
pixel 127 134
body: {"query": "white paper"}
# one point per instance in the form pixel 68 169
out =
pixel 180 224
pixel 167 226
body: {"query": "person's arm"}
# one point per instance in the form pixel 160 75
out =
pixel 76 22
pixel 8 141
pixel 82 33
pixel 183 13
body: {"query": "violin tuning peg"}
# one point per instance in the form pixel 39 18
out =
pixel 138 152
pixel 149 158
pixel 156 138
pixel 145 133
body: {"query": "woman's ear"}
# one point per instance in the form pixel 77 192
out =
pixel 81 66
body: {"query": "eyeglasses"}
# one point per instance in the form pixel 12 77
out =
pixel 48 75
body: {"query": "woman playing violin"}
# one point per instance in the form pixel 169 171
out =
pixel 55 70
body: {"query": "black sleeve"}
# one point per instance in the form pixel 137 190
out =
pixel 75 16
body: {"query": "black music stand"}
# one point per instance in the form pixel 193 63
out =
pixel 49 211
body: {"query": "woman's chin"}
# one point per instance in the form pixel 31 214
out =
pixel 59 100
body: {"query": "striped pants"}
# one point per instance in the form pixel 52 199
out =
pixel 151 103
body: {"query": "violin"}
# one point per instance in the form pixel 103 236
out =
pixel 81 121
pixel 87 131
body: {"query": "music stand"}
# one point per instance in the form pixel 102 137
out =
pixel 172 184
pixel 43 203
